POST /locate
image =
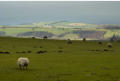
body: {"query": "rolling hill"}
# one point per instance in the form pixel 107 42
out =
pixel 62 30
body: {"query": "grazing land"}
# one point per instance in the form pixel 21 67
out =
pixel 55 60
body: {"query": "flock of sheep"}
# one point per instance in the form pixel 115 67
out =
pixel 23 62
pixel 84 39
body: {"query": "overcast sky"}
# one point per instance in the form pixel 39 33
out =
pixel 12 13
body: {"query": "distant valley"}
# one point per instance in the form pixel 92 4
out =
pixel 62 30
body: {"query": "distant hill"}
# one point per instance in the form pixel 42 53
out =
pixel 62 30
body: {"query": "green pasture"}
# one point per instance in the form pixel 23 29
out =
pixel 79 61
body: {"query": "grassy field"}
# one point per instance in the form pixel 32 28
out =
pixel 61 62
pixel 15 31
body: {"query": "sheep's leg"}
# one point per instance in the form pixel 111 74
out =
pixel 26 67
pixel 20 67
pixel 23 67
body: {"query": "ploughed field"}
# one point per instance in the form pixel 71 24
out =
pixel 55 60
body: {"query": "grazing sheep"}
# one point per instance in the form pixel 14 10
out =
pixel 69 41
pixel 45 37
pixel 109 45
pixel 40 52
pixel 23 62
pixel 4 52
pixel 29 51
pixel 84 39
pixel 60 51
pixel 33 37
pixel 99 42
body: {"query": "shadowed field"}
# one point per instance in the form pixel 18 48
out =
pixel 55 60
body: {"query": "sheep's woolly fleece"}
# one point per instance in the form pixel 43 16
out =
pixel 22 61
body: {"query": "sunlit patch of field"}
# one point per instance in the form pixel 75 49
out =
pixel 79 61
pixel 15 31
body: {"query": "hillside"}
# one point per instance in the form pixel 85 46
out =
pixel 55 60
pixel 62 30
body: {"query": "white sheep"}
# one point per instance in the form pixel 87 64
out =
pixel 23 62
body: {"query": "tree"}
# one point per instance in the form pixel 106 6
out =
pixel 115 38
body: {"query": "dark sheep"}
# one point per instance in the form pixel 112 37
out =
pixel 84 39
pixel 5 52
pixel 109 45
pixel 39 52
pixel 23 52
pixel 106 50
pixel 1 52
pixel 45 37
pixel 60 51
pixel 29 51
pixel 40 46
pixel 69 41
pixel 100 42
pixel 33 37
